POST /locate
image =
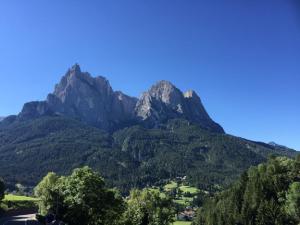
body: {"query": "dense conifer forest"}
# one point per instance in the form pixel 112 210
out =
pixel 268 194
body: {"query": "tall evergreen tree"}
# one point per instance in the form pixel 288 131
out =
pixel 268 194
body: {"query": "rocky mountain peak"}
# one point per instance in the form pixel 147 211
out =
pixel 166 92
pixel 75 69
pixel 92 100
pixel 162 101
pixel 162 85
pixel 76 84
pixel 165 101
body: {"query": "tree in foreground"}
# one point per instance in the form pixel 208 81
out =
pixel 2 189
pixel 293 200
pixel 148 208
pixel 80 199
pixel 83 199
pixel 47 191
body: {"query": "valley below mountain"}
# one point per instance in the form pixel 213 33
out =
pixel 132 142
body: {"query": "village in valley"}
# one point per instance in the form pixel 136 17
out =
pixel 187 199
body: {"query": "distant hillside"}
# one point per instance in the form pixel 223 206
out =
pixel 131 157
pixel 133 142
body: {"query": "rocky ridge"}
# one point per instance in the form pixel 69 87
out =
pixel 93 101
pixel 164 101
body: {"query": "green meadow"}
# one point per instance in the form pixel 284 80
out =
pixel 16 198
pixel 182 223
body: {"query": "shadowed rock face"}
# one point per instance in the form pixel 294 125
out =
pixel 197 113
pixel 92 100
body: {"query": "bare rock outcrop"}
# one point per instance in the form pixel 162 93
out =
pixel 92 100
pixel 164 101
pixel 89 99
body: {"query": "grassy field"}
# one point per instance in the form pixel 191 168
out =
pixel 186 189
pixel 184 201
pixel 183 188
pixel 182 223
pixel 12 202
pixel 170 186
pixel 16 198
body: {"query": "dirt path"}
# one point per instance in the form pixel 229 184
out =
pixel 26 219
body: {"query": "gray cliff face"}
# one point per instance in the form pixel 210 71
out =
pixel 93 101
pixel 34 109
pixel 80 96
pixel 164 101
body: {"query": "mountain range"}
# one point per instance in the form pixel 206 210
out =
pixel 93 101
pixel 133 142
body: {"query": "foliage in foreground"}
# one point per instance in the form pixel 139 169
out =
pixel 83 199
pixel 80 198
pixel 147 207
pixel 2 189
pixel 268 194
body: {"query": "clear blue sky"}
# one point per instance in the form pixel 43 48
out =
pixel 241 56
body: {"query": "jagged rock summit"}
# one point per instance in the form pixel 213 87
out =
pixel 164 101
pixel 89 99
pixel 93 101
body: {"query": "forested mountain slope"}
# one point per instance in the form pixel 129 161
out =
pixel 132 157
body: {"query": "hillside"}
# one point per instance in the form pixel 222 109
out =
pixel 132 157
pixel 266 194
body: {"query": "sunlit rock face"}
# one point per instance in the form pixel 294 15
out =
pixel 164 101
pixel 89 99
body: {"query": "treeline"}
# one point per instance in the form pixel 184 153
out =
pixel 83 199
pixel 268 194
